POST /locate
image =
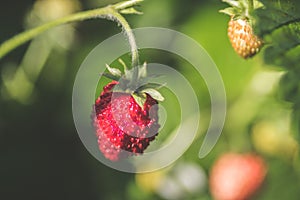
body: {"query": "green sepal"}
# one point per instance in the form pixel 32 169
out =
pixel 143 70
pixel 123 64
pixel 127 72
pixel 229 11
pixel 257 4
pixel 156 86
pixel 110 76
pixel 114 71
pixel 239 8
pixel 134 73
pixel 154 94
pixel 140 98
pixel 233 3
pixel 132 79
pixel 131 11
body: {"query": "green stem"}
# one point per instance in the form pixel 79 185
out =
pixel 130 35
pixel 106 12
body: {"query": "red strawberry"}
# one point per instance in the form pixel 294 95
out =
pixel 236 176
pixel 123 127
pixel 242 38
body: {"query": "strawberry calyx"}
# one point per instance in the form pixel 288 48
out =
pixel 241 9
pixel 135 82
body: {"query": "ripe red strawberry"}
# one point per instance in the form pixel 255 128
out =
pixel 242 38
pixel 236 176
pixel 124 127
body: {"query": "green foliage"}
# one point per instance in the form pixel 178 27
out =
pixel 276 14
pixel 278 22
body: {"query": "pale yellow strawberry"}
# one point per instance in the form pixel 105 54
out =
pixel 242 38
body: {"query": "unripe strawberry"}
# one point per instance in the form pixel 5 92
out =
pixel 240 27
pixel 123 127
pixel 236 176
pixel 242 38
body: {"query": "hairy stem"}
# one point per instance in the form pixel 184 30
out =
pixel 108 12
pixel 129 34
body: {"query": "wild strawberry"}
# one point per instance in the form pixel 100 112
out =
pixel 242 38
pixel 125 119
pixel 240 31
pixel 236 176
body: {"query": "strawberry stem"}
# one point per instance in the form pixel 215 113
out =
pixel 108 12
pixel 128 31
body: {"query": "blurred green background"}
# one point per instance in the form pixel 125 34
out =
pixel 41 155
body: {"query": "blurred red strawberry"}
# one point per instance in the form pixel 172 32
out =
pixel 236 176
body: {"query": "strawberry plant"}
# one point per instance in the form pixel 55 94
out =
pixel 277 23
pixel 122 117
pixel 256 34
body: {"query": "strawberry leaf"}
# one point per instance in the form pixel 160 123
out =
pixel 278 22
pixel 276 14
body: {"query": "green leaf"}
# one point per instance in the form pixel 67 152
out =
pixel 154 94
pixel 276 14
pixel 114 71
pixel 278 23
pixel 140 98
